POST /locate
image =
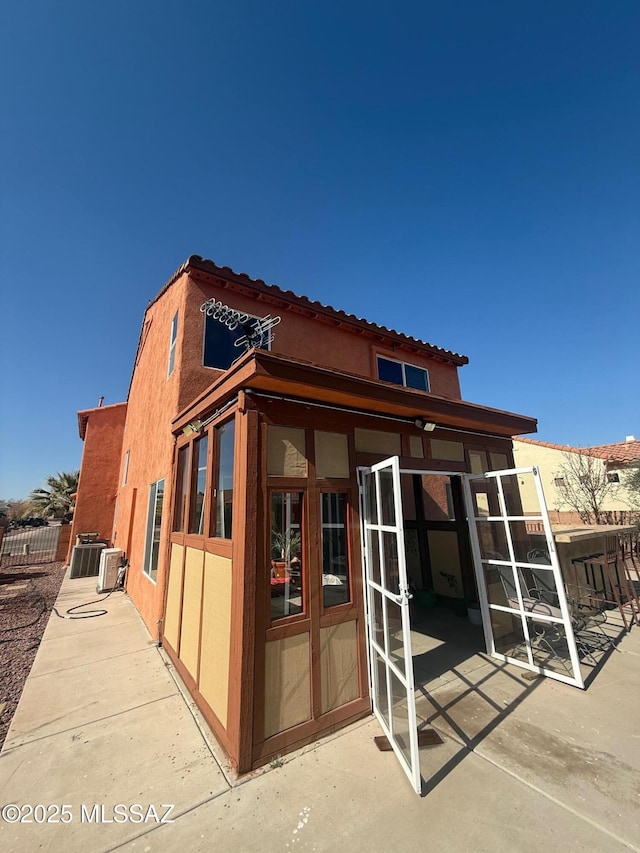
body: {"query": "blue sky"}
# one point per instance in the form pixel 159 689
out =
pixel 465 172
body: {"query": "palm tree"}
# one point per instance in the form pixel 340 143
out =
pixel 56 500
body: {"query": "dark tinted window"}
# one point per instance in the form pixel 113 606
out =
pixel 390 371
pixel 219 343
pixel 416 377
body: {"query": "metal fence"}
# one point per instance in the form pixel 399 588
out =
pixel 28 546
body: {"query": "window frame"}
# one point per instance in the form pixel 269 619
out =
pixel 403 366
pixel 196 466
pixel 214 485
pixel 346 526
pixel 173 337
pixel 181 489
pixel 152 509
pixel 304 615
pixel 125 467
pixel 207 318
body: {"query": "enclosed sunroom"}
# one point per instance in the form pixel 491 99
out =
pixel 285 474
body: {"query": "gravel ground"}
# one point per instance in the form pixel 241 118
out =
pixel 27 594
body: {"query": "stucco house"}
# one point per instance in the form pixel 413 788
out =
pixel 232 477
pixel 610 464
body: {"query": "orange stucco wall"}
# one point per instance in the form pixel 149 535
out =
pixel 98 483
pixel 298 337
pixel 155 399
pixel 152 404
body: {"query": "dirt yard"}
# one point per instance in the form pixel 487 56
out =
pixel 27 595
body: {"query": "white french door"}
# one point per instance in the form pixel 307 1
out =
pixel 525 614
pixel 388 624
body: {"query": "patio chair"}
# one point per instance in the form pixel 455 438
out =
pixel 544 601
pixel 585 617
pixel 544 633
pixel 617 578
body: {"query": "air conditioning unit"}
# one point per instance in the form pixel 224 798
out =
pixel 85 560
pixel 109 567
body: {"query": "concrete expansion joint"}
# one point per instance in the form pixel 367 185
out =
pixel 177 817
pixel 580 815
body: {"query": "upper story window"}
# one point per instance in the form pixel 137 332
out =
pixel 125 469
pixel 401 373
pixel 220 350
pixel 172 344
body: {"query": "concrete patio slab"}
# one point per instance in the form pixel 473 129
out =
pixel 345 795
pixel 525 764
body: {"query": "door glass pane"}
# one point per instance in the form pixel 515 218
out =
pixel 396 644
pixel 335 558
pixel 496 593
pixel 370 497
pixel 540 583
pixel 549 647
pixel 528 547
pixel 503 586
pixel 386 497
pixel 400 714
pixel 374 556
pixel 378 618
pixel 485 498
pixel 391 569
pixel 511 486
pixel 492 538
pixel 508 635
pixel 380 687
pixel 286 575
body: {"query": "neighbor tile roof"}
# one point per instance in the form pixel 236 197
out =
pixel 621 452
pixel 207 266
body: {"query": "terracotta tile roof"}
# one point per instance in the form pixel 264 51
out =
pixel 621 452
pixel 564 447
pixel 207 266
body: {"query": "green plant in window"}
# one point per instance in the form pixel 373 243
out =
pixel 285 545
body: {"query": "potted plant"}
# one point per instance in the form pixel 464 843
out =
pixel 285 546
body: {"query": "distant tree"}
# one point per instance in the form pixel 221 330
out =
pixel 582 484
pixel 19 509
pixel 56 500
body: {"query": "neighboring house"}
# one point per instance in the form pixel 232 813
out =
pixel 614 461
pixel 230 479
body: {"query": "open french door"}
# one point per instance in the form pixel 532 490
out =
pixel 388 623
pixel 525 614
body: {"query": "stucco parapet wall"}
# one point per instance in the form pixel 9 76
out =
pixel 84 415
pixel 256 288
pixel 262 371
